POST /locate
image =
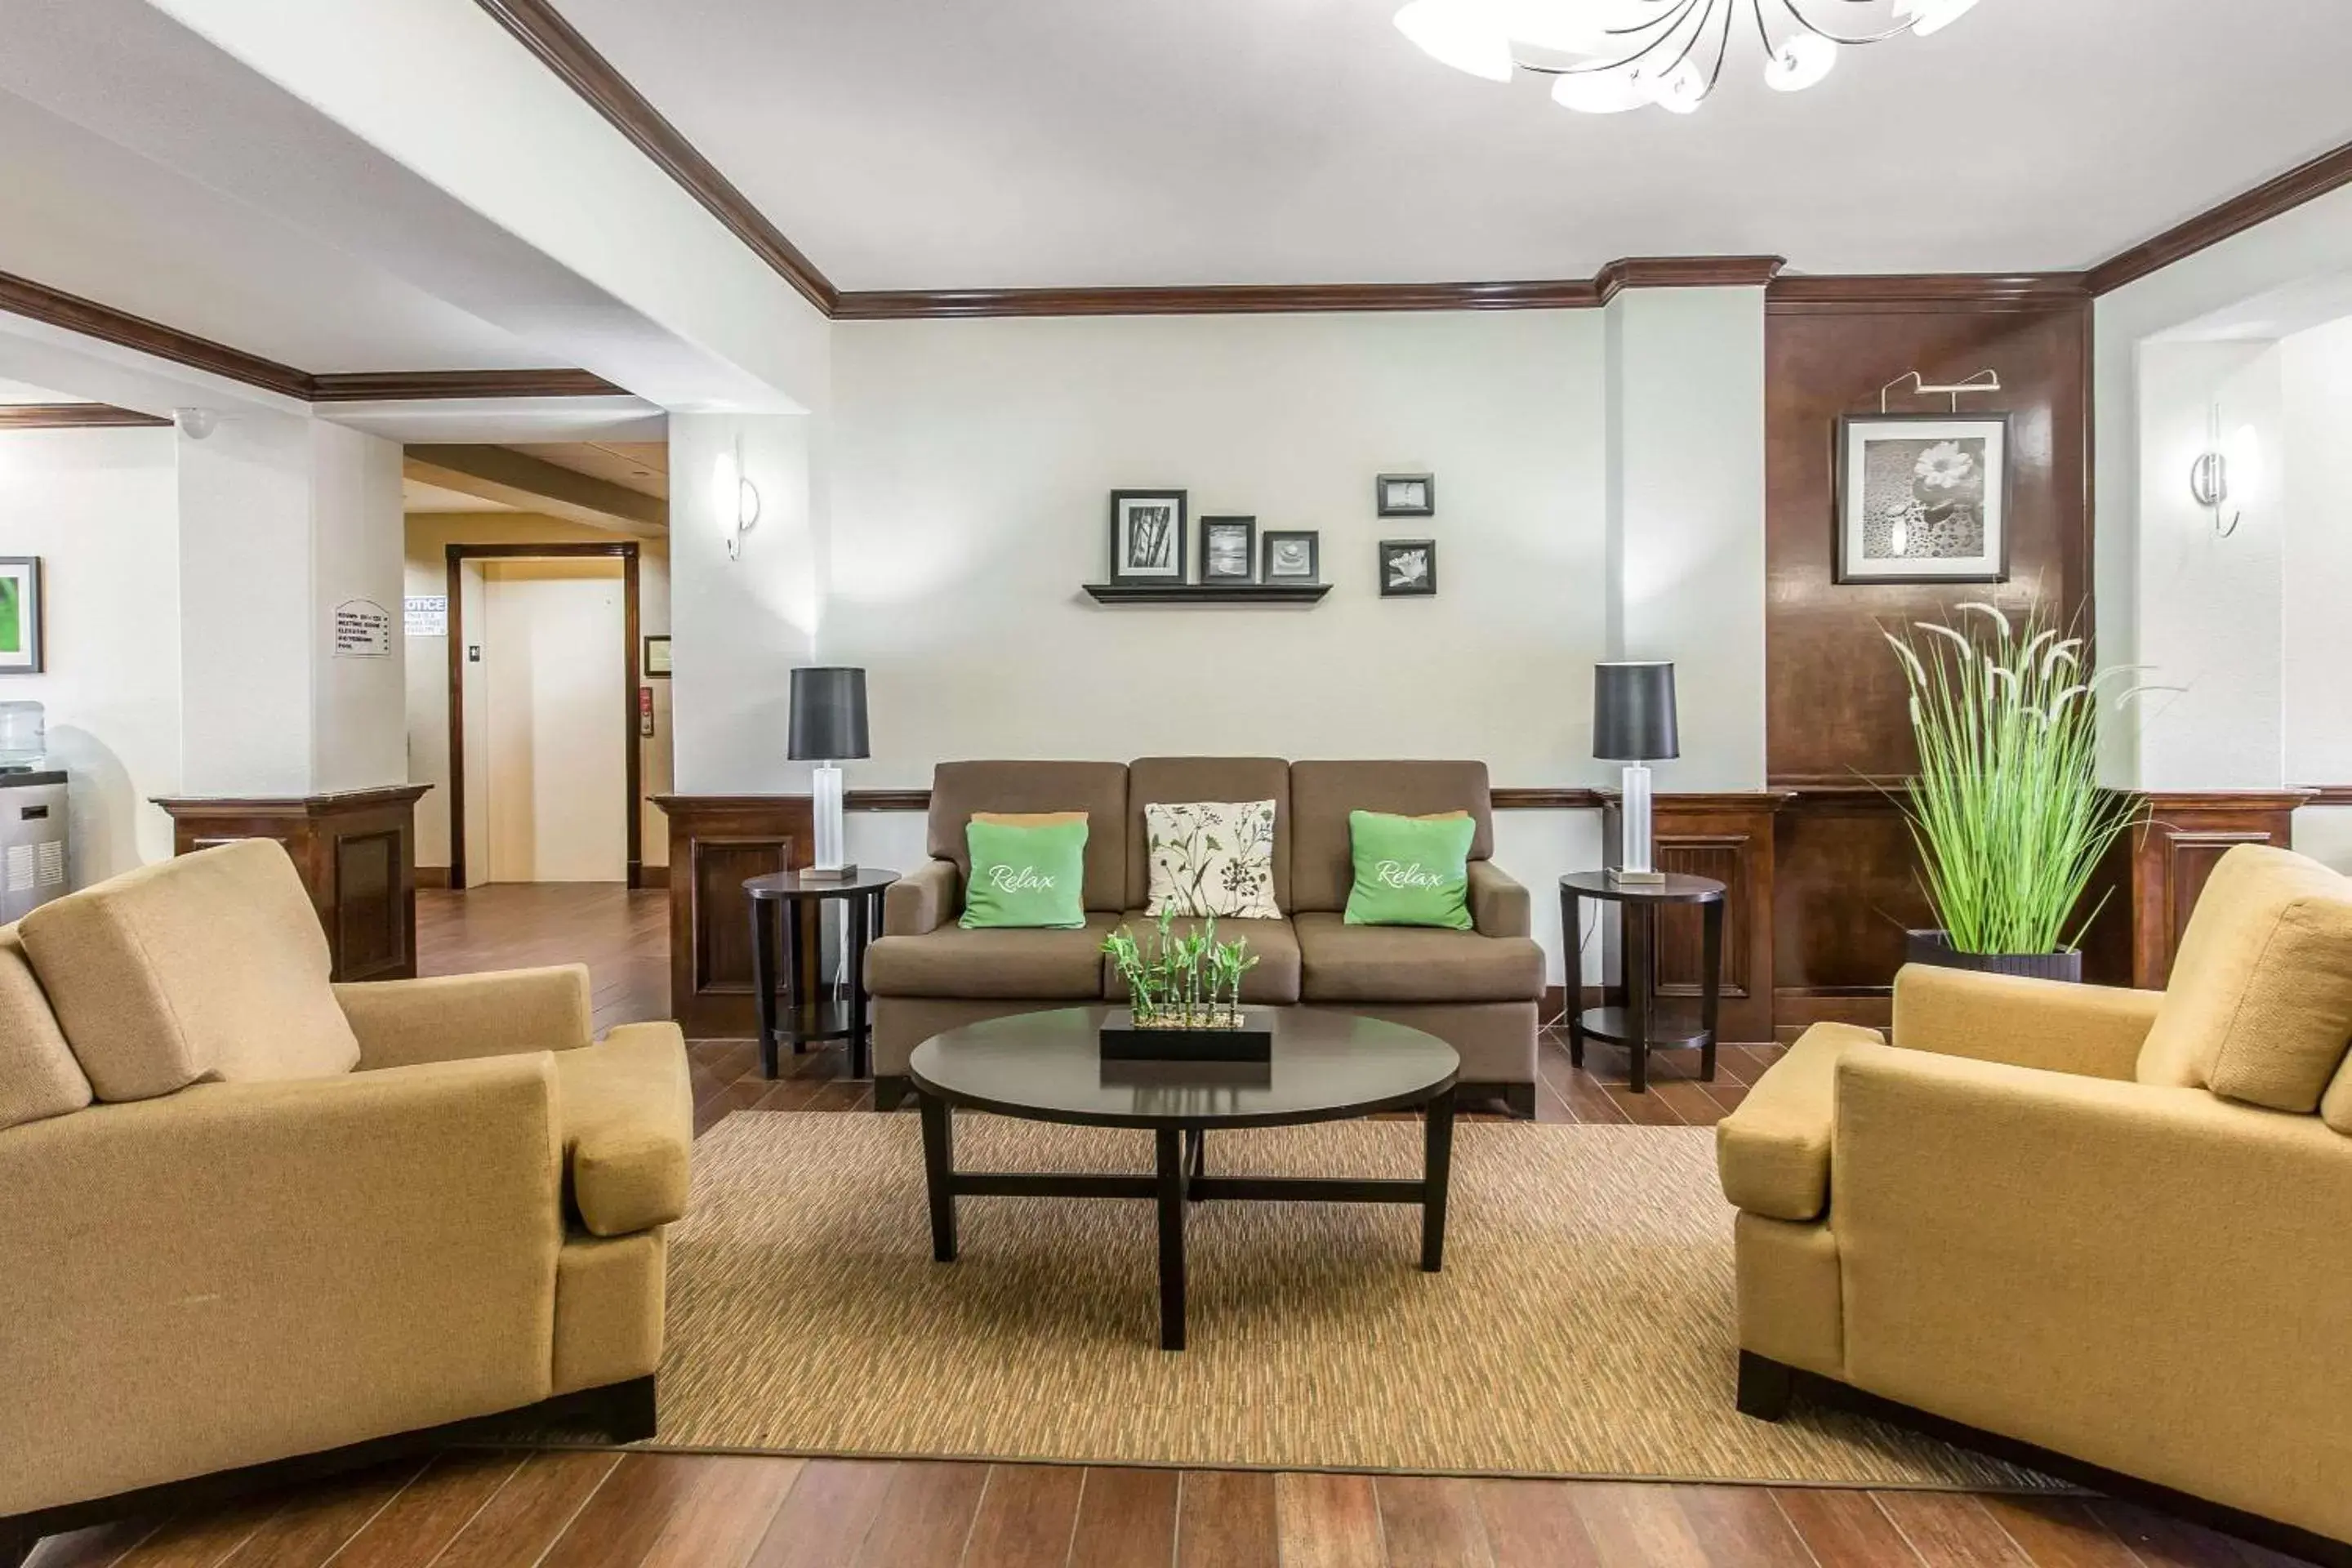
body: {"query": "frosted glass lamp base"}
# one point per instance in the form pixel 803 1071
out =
pixel 831 862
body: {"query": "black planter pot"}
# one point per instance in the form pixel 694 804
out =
pixel 1931 947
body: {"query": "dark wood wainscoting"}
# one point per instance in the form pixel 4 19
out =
pixel 2175 850
pixel 716 843
pixel 357 854
pixel 1729 837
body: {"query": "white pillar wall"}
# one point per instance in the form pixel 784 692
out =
pixel 281 520
pixel 1685 517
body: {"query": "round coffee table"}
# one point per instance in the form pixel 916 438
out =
pixel 1049 1067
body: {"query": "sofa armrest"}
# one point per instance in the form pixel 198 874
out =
pixel 626 1110
pixel 1772 1153
pixel 2150 1279
pixel 1498 905
pixel 2091 1030
pixel 239 1272
pixel 921 900
pixel 452 1017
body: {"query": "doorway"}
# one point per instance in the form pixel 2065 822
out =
pixel 543 721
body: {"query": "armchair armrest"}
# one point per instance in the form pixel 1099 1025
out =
pixel 2150 1279
pixel 239 1272
pixel 627 1114
pixel 921 900
pixel 1498 905
pixel 457 1016
pixel 2091 1030
pixel 1772 1153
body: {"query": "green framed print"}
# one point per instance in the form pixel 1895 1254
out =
pixel 20 614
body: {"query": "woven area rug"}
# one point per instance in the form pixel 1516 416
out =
pixel 1582 1325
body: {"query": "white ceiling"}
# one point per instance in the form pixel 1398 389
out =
pixel 910 143
pixel 416 495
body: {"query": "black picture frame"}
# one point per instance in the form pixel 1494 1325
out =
pixel 1171 550
pixel 655 669
pixel 1212 528
pixel 32 616
pixel 1391 506
pixel 1849 507
pixel 1418 584
pixel 1275 538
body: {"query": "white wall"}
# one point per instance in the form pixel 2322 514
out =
pixel 2314 484
pixel 101 509
pixel 971 470
pixel 427 706
pixel 358 729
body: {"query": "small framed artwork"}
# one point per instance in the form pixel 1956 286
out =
pixel 656 659
pixel 20 614
pixel 1228 549
pixel 1292 556
pixel 1407 495
pixel 1408 568
pixel 1147 536
pixel 1923 498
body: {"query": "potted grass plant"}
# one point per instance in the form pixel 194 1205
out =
pixel 2006 810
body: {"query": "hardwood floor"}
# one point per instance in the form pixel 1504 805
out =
pixel 573 1509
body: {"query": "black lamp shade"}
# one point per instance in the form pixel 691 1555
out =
pixel 828 723
pixel 1633 712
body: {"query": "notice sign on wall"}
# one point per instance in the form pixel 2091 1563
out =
pixel 363 630
pixel 429 615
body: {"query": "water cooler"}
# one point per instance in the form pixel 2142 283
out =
pixel 32 815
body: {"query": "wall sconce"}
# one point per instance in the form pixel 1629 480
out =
pixel 734 499
pixel 2226 471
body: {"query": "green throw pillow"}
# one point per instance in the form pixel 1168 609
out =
pixel 1410 870
pixel 1027 876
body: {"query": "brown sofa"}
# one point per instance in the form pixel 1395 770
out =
pixel 2114 1224
pixel 252 1215
pixel 1479 990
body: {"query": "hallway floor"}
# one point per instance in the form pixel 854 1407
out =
pixel 607 1510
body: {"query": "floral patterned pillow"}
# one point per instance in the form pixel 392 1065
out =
pixel 1212 858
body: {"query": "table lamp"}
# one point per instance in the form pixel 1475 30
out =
pixel 828 724
pixel 1633 723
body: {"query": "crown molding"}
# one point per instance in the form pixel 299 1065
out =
pixel 39 302
pixel 2240 212
pixel 1686 272
pixel 1801 293
pixel 409 386
pixel 73 417
pixel 560 47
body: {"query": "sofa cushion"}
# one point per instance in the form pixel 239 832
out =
pixel 951 962
pixel 627 1113
pixel 1340 962
pixel 2259 1007
pixel 1168 780
pixel 1274 983
pixel 1772 1153
pixel 1098 789
pixel 1322 863
pixel 38 1075
pixel 211 965
pixel 2336 1105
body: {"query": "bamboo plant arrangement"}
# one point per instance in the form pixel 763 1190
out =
pixel 2007 811
pixel 1181 981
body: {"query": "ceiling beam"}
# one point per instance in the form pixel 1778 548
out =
pixel 534 484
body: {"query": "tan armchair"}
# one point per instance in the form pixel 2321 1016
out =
pixel 2113 1225
pixel 311 1216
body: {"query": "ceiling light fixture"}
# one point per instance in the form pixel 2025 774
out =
pixel 1608 56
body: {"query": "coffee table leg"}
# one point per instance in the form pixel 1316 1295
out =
pixel 1437 1170
pixel 939 1165
pixel 1171 1237
pixel 1196 1158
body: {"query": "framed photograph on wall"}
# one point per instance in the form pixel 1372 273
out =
pixel 1147 536
pixel 20 614
pixel 1923 498
pixel 657 656
pixel 1228 549
pixel 1407 495
pixel 1292 555
pixel 1408 568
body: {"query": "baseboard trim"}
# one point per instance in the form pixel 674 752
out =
pixel 624 1411
pixel 1766 1386
pixel 433 877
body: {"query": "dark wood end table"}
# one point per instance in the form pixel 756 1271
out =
pixel 817 1014
pixel 1048 1066
pixel 1641 1025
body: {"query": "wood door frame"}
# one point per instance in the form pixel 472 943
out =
pixel 633 778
